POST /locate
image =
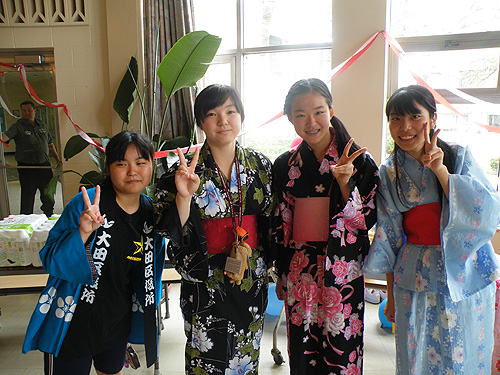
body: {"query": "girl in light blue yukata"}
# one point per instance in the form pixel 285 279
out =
pixel 436 214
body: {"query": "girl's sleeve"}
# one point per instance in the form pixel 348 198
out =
pixel 474 205
pixel 264 220
pixel 388 239
pixel 469 223
pixel 281 222
pixel 186 247
pixel 352 221
pixel 64 255
pixel 159 248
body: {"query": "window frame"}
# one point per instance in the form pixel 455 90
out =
pixel 237 55
pixel 449 42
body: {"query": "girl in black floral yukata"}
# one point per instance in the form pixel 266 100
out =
pixel 326 205
pixel 202 202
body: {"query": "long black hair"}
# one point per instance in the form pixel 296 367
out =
pixel 403 102
pixel 213 96
pixel 315 85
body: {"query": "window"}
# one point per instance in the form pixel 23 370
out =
pixel 459 56
pixel 267 45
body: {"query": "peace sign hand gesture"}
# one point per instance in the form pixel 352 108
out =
pixel 344 168
pixel 433 155
pixel 91 218
pixel 186 181
pixel 433 159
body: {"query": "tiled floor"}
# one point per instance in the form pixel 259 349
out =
pixel 16 311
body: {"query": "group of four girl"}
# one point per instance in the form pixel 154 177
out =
pixel 229 214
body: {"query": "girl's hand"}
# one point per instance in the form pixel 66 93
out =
pixel 279 289
pixel 344 168
pixel 433 155
pixel 389 309
pixel 433 159
pixel 91 218
pixel 186 181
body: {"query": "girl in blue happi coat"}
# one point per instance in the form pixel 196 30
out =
pixel 105 265
pixel 436 214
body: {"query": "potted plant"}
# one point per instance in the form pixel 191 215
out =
pixel 184 65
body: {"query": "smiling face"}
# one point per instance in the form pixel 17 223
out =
pixel 132 174
pixel 408 130
pixel 310 115
pixel 222 124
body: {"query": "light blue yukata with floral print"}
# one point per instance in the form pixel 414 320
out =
pixel 443 294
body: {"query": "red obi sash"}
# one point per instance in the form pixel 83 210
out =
pixel 311 219
pixel 421 224
pixel 220 235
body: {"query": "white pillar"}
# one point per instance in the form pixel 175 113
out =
pixel 359 92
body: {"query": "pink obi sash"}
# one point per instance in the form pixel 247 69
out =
pixel 311 219
pixel 421 224
pixel 220 235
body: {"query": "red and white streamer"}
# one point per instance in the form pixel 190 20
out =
pixel 335 72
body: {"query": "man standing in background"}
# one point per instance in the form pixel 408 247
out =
pixel 34 146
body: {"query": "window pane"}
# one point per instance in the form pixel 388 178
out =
pixel 467 131
pixel 277 22
pixel 219 73
pixel 476 68
pixel 217 17
pixel 267 79
pixel 430 17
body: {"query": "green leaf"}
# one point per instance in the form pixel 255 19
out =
pixel 246 284
pixel 50 189
pixel 258 195
pixel 75 145
pixel 150 190
pixel 255 326
pixel 99 161
pixel 172 158
pixel 126 94
pixel 187 61
pixel 92 178
pixel 172 144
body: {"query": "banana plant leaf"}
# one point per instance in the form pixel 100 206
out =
pixel 50 189
pixel 126 94
pixel 187 61
pixel 150 190
pixel 75 145
pixel 99 161
pixel 172 144
pixel 92 178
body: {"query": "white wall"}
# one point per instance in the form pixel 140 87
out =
pixel 359 92
pixel 90 61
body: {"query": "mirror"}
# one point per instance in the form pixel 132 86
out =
pixel 13 93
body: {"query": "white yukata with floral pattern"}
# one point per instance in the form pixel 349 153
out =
pixel 444 295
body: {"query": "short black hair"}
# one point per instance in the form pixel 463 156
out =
pixel 26 102
pixel 118 145
pixel 213 96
